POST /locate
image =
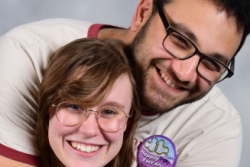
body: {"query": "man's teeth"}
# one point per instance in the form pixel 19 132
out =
pixel 84 148
pixel 167 81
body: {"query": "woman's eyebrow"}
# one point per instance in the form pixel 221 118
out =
pixel 113 104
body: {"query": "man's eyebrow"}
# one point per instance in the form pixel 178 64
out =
pixel 184 30
pixel 223 59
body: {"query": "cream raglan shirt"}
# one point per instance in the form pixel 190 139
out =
pixel 206 133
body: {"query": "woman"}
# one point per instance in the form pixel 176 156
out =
pixel 88 106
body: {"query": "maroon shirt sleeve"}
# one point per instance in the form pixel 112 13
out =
pixel 19 156
pixel 95 28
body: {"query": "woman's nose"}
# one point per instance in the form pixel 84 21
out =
pixel 90 126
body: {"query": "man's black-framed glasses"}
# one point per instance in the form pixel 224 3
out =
pixel 182 48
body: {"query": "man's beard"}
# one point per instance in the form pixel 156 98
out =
pixel 150 103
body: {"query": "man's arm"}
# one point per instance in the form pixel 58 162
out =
pixel 24 54
pixel 6 162
pixel 18 89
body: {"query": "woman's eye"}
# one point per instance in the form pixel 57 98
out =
pixel 73 107
pixel 109 112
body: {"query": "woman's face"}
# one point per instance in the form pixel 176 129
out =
pixel 100 147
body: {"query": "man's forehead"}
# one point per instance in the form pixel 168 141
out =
pixel 217 4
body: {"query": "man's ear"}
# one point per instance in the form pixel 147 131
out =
pixel 142 14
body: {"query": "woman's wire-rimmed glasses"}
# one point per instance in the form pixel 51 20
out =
pixel 109 118
pixel 180 47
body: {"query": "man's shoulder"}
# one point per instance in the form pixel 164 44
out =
pixel 213 110
pixel 197 129
pixel 217 100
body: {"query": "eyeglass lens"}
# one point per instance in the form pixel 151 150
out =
pixel 181 48
pixel 109 119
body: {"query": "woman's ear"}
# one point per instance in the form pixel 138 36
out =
pixel 142 14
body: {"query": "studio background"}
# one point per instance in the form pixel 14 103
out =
pixel 120 13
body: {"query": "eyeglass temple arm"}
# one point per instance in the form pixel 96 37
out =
pixel 232 66
pixel 161 13
pixel 128 116
pixel 54 105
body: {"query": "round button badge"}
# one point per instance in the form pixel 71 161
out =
pixel 157 151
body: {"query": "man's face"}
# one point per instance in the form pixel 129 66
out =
pixel 167 82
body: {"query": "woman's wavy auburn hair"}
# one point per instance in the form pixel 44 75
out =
pixel 84 71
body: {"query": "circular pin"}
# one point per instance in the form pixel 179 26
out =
pixel 158 151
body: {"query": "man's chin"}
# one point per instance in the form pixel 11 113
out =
pixel 151 105
pixel 163 106
pixel 157 108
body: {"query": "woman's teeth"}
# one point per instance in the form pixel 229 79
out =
pixel 84 148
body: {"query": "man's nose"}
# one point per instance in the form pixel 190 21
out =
pixel 90 126
pixel 185 70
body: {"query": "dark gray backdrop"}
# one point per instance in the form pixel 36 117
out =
pixel 119 13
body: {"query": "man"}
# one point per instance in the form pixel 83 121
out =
pixel 180 49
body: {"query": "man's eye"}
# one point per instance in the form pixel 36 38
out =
pixel 179 41
pixel 211 65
